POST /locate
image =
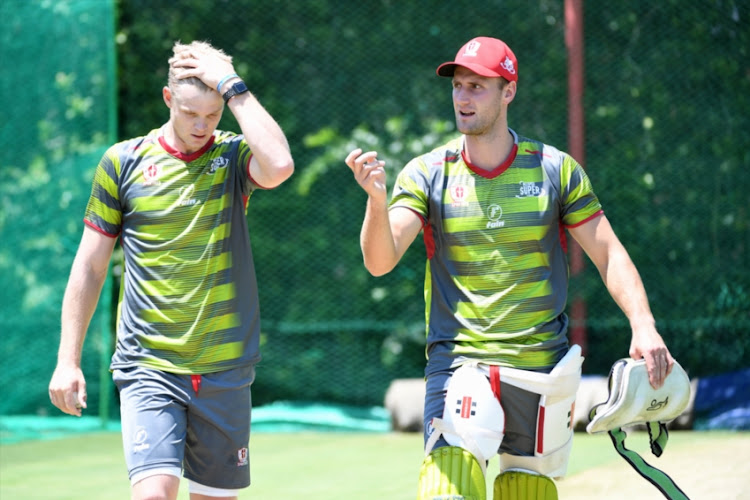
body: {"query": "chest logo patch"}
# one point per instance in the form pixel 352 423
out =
pixel 494 214
pixel 186 196
pixel 217 163
pixel 151 174
pixel 459 194
pixel 529 189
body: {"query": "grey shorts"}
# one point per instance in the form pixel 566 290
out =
pixel 520 407
pixel 169 425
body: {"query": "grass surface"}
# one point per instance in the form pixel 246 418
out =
pixel 310 466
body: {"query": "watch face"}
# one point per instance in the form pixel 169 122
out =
pixel 237 88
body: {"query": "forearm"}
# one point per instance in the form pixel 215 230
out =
pixel 376 239
pixel 266 140
pixel 79 304
pixel 626 288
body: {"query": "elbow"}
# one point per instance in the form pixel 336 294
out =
pixel 284 169
pixel 377 272
pixel 378 269
pixel 287 168
pixel 278 172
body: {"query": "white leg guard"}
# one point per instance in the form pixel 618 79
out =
pixel 451 473
pixel 554 464
pixel 523 485
pixel 554 436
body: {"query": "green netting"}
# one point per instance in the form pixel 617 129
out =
pixel 280 416
pixel 667 108
pixel 58 114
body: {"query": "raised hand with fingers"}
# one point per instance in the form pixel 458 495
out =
pixel 369 173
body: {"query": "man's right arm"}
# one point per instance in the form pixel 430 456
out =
pixel 67 387
pixel 385 234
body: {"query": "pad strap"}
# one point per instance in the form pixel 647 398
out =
pixel 441 427
pixel 659 436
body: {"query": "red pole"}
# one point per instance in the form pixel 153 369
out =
pixel 576 147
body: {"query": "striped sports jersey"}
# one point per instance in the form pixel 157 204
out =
pixel 497 275
pixel 188 298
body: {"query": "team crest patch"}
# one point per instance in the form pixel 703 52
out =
pixel 508 65
pixel 151 174
pixel 243 457
pixel 471 48
pixel 459 194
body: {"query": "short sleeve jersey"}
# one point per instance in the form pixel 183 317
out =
pixel 188 299
pixel 497 275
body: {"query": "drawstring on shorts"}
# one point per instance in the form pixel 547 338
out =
pixel 196 379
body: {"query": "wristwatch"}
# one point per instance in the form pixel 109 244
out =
pixel 236 89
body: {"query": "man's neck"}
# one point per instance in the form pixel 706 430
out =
pixel 487 152
pixel 169 136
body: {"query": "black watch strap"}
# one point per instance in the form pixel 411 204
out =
pixel 239 87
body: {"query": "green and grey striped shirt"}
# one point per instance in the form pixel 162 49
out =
pixel 497 275
pixel 188 298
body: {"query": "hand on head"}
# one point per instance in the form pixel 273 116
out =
pixel 201 61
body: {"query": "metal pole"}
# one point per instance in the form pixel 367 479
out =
pixel 576 147
pixel 105 352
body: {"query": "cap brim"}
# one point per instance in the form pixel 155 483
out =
pixel 448 68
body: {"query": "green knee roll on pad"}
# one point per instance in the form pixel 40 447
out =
pixel 451 473
pixel 518 485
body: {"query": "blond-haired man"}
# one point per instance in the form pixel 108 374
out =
pixel 188 319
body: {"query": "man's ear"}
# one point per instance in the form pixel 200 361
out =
pixel 167 95
pixel 509 92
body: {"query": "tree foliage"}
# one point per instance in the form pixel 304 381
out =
pixel 667 93
pixel 666 103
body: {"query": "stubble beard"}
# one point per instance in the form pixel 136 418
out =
pixel 478 127
pixel 475 129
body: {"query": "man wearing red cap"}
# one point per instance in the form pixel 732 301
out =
pixel 493 205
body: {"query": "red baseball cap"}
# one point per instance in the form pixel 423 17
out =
pixel 484 56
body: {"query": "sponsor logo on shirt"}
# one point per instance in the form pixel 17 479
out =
pixel 529 189
pixel 186 196
pixel 216 164
pixel 494 214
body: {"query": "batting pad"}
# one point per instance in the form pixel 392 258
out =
pixel 451 473
pixel 519 485
pixel 632 400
